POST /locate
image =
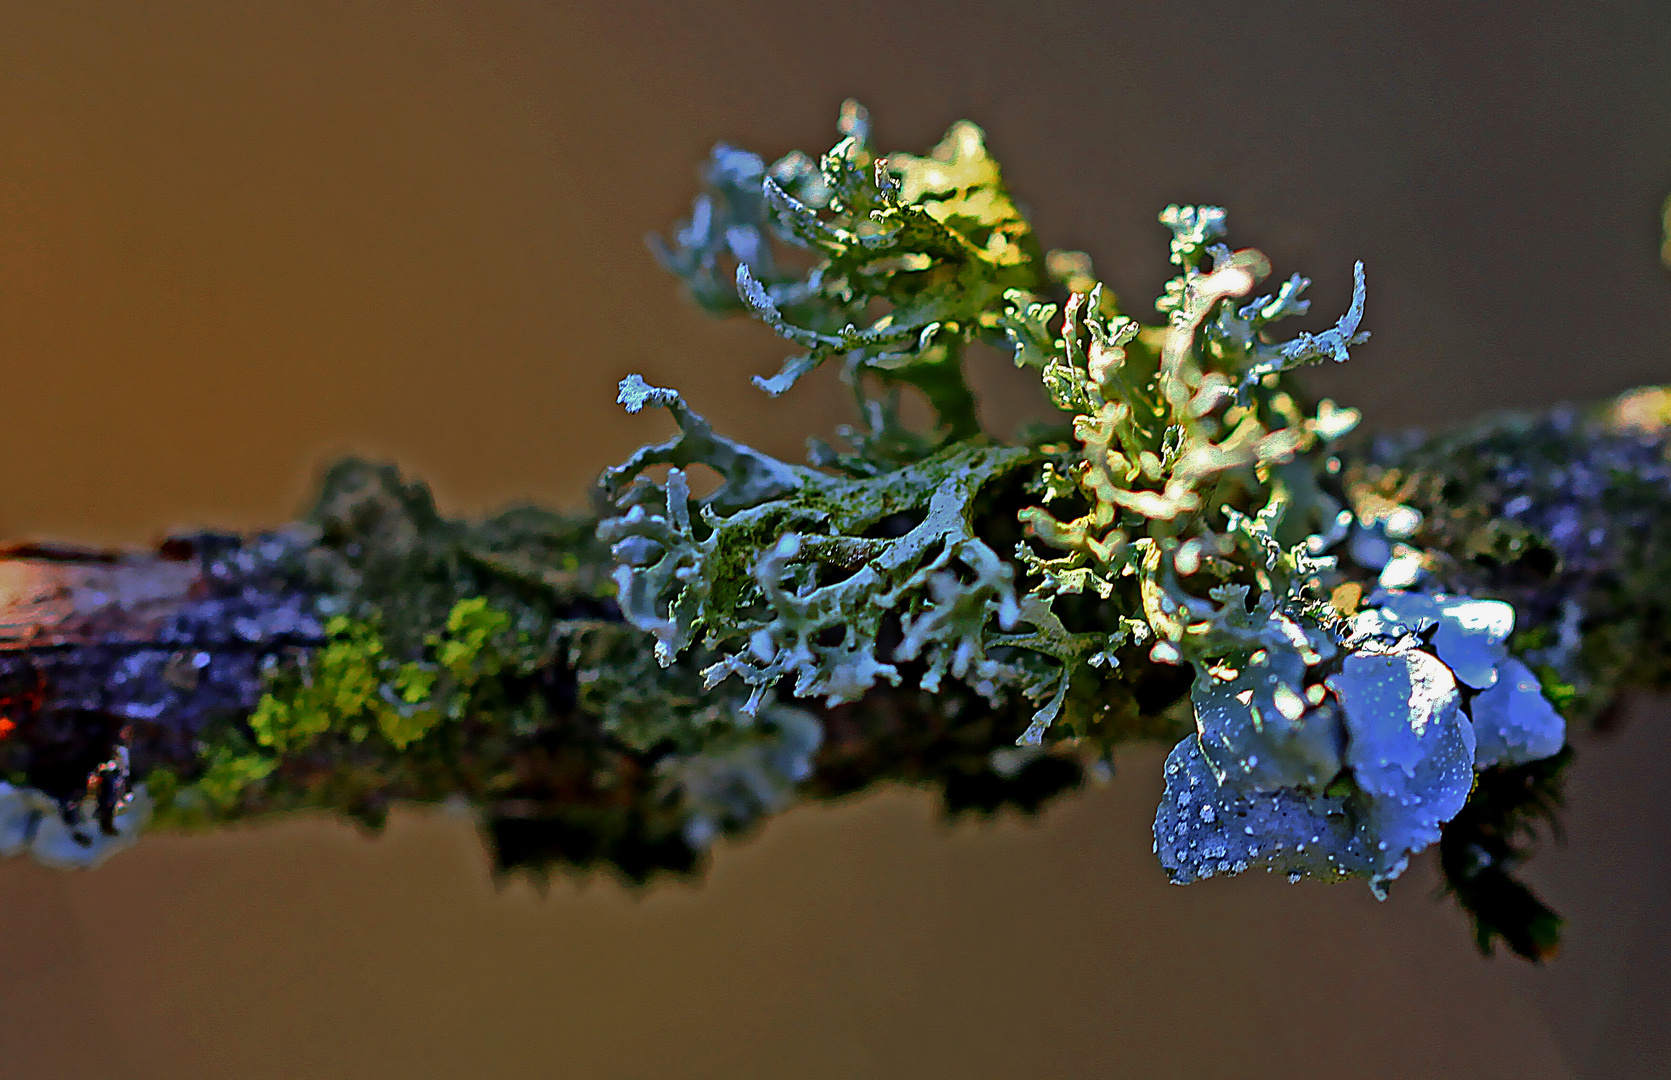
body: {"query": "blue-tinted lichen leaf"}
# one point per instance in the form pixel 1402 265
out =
pixel 1395 702
pixel 1513 722
pixel 1203 828
pixel 1472 638
pixel 1471 634
pixel 1306 349
pixel 728 227
pixel 1257 730
pixel 1398 824
pixel 748 476
pixel 1410 749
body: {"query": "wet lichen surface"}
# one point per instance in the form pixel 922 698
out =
pixel 1357 648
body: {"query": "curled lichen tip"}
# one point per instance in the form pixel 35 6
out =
pixel 634 393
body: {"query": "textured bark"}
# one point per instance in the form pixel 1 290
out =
pixel 150 661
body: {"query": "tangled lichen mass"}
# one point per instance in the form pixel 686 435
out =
pixel 1358 649
pixel 1187 511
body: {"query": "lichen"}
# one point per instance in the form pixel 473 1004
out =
pixel 789 583
pixel 354 686
pixel 1193 499
pixel 1355 650
pixel 937 239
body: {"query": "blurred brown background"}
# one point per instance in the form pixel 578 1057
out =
pixel 236 239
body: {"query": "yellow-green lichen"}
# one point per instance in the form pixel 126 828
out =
pixel 471 625
pixel 353 686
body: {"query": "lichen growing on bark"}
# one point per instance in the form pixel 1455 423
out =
pixel 1189 519
pixel 1356 649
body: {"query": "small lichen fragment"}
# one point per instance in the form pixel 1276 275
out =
pixel 1204 829
pixel 1513 722
pixel 1469 635
pixel 1410 749
pixel 1258 731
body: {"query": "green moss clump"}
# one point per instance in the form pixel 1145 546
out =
pixel 354 686
pixel 352 689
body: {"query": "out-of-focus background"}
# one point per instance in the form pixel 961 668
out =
pixel 236 240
